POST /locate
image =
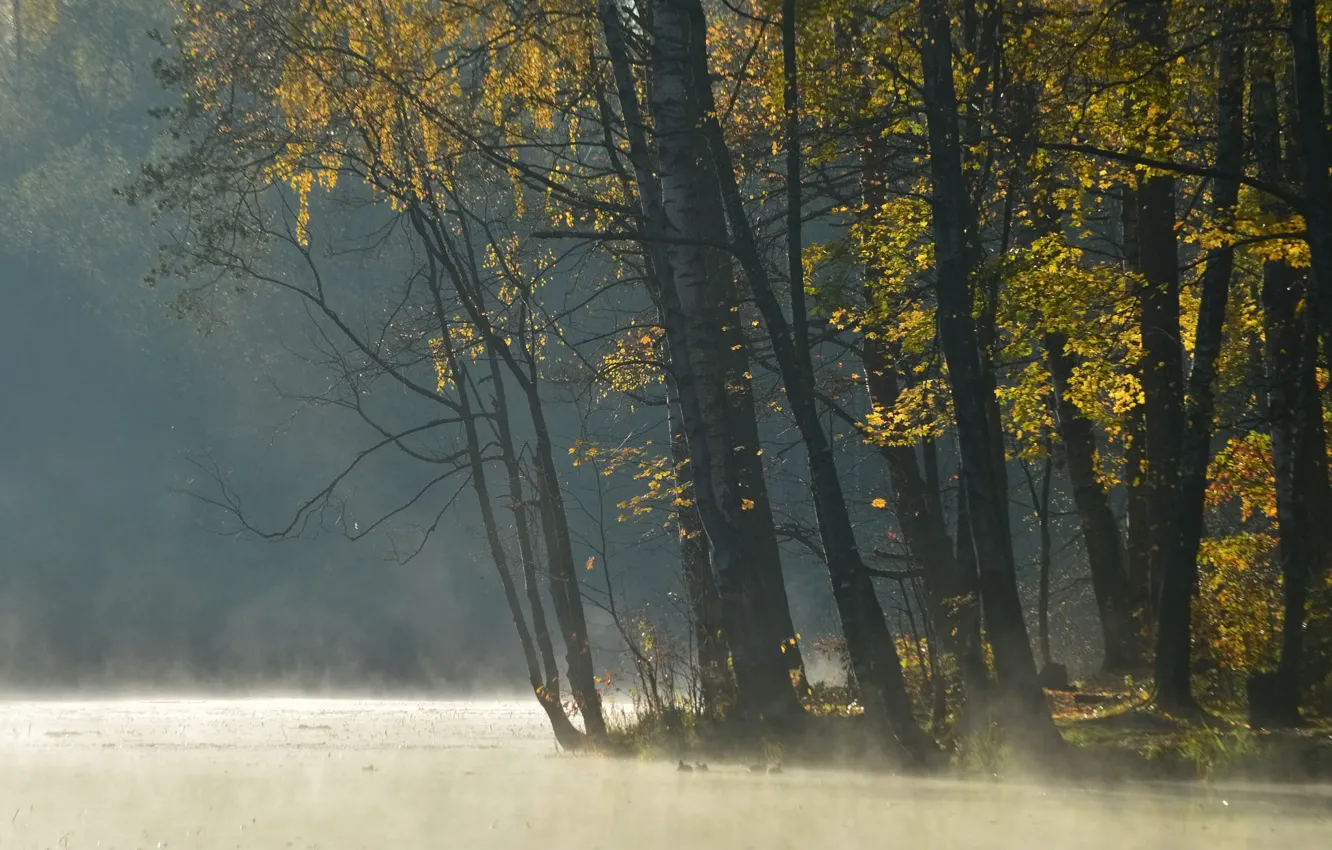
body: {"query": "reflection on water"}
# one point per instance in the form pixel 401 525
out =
pixel 329 774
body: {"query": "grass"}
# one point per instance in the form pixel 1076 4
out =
pixel 1111 721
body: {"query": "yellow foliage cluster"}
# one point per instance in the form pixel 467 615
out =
pixel 1239 602
pixel 634 360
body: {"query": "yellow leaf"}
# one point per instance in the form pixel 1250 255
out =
pixel 591 561
pixel 880 503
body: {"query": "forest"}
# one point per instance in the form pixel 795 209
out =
pixel 959 303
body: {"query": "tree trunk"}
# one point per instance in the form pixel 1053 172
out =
pixel 566 594
pixel 1315 141
pixel 1161 367
pixel 1294 408
pixel 1105 549
pixel 565 733
pixel 1290 341
pixel 692 317
pixel 965 553
pixel 758 530
pixel 1138 547
pixel 794 208
pixel 1137 509
pixel 716 687
pixel 1173 644
pixel 1162 361
pixel 917 506
pixel 526 551
pixel 1313 135
pixel 870 645
pixel 954 608
pixel 986 498
pixel 929 456
pixel 564 584
pixel 1100 531
pixel 1041 505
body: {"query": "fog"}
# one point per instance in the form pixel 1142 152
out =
pixel 115 575
pixel 220 629
pixel 333 774
pixel 112 575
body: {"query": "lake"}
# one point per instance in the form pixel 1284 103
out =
pixel 328 774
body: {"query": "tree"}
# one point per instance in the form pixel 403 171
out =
pixel 1173 647
pixel 860 234
pixel 696 296
pixel 985 494
pixel 487 303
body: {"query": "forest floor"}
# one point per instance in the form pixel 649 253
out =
pixel 1112 731
pixel 1113 727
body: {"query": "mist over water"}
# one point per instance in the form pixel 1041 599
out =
pixel 229 620
pixel 351 773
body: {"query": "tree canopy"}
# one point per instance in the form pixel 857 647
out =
pixel 945 284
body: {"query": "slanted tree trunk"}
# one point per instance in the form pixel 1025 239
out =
pixel 667 194
pixel 764 580
pixel 1100 531
pixel 565 733
pixel 1173 644
pixel 453 257
pixel 526 551
pixel 715 685
pixel 758 529
pixel 794 206
pixel 981 39
pixel 985 494
pixel 954 607
pixel 1105 549
pixel 688 202
pixel 917 506
pixel 565 588
pixel 682 25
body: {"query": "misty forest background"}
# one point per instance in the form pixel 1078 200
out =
pixel 699 349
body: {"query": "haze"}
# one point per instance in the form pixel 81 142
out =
pixel 667 423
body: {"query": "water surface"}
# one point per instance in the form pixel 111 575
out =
pixel 377 774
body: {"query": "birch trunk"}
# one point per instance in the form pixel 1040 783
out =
pixel 669 197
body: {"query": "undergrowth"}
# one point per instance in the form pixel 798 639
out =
pixel 1111 732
